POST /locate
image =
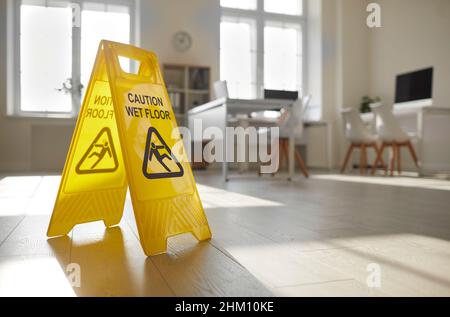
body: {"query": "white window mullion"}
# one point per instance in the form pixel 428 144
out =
pixel 260 49
pixel 76 66
pixel 16 100
pixel 304 26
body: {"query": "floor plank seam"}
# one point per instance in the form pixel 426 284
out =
pixel 316 283
pixel 71 246
pixel 12 230
pixel 293 249
pixel 15 256
pixel 154 264
pixel 226 253
pixel 232 258
pixel 325 249
pixel 163 278
pixel 23 216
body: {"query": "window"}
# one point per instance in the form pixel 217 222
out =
pixel 291 7
pixel 261 46
pixel 40 58
pixel 239 4
pixel 238 56
pixel 282 56
pixel 66 66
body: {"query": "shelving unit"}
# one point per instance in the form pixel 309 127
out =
pixel 188 86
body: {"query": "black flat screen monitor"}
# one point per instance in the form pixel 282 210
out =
pixel 280 94
pixel 413 86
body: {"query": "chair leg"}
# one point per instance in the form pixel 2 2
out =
pixel 379 157
pixel 269 152
pixel 382 163
pixel 365 158
pixel 413 153
pixel 393 158
pixel 301 163
pixel 286 150
pixel 281 154
pixel 362 159
pixel 399 159
pixel 386 167
pixel 347 157
pixel 375 149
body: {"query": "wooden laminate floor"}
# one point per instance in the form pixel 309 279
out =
pixel 315 237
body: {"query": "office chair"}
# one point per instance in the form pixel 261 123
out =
pixel 293 120
pixel 391 135
pixel 220 89
pixel 359 137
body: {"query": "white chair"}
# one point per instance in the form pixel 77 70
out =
pixel 220 89
pixel 293 121
pixel 359 136
pixel 391 135
pixel 305 103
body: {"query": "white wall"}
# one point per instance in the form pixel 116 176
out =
pixel 345 64
pixel 353 59
pixel 355 53
pixel 160 20
pixel 414 34
pixel 314 57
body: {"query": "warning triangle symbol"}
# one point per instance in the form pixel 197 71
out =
pixel 100 156
pixel 159 162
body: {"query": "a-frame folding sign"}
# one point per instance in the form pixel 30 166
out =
pixel 127 135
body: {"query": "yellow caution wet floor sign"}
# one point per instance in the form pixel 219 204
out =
pixel 125 136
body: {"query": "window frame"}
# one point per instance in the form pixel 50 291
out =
pixel 262 17
pixel 15 109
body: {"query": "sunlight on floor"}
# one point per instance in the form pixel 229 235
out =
pixel 35 195
pixel 28 195
pixel 26 276
pixel 425 183
pixel 347 259
pixel 219 198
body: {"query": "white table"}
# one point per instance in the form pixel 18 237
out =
pixel 216 114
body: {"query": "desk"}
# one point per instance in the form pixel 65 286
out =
pixel 216 114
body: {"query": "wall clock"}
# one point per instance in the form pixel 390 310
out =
pixel 182 41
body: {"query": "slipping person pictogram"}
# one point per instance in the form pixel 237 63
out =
pixel 100 156
pixel 159 162
pixel 154 150
pixel 105 149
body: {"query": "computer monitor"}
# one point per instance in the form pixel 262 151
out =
pixel 414 87
pixel 280 94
